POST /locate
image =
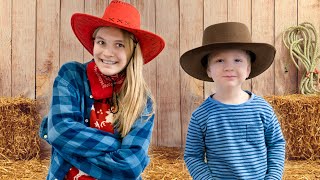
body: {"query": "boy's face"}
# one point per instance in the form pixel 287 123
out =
pixel 229 67
pixel 109 50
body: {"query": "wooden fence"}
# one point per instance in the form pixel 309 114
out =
pixel 36 39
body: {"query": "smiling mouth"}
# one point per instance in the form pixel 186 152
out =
pixel 107 62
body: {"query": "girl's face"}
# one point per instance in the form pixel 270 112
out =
pixel 109 50
pixel 229 68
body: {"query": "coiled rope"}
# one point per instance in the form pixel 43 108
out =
pixel 302 42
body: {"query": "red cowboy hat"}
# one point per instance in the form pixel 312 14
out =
pixel 121 15
pixel 229 35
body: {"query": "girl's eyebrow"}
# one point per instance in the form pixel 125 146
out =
pixel 119 40
pixel 101 38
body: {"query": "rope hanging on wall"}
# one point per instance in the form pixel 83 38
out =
pixel 303 45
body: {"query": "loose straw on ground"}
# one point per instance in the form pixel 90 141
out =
pixel 166 164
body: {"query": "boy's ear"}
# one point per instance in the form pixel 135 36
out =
pixel 248 70
pixel 207 67
pixel 208 72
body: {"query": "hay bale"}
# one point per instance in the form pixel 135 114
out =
pixel 19 125
pixel 299 116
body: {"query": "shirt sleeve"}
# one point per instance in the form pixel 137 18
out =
pixel 275 149
pixel 129 161
pixel 65 130
pixel 194 155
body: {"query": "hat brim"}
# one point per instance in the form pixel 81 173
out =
pixel 84 25
pixel 190 61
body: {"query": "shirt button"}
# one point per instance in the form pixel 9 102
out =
pixel 45 136
pixel 91 96
pixel 86 120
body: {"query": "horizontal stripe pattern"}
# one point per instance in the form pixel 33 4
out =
pixel 241 141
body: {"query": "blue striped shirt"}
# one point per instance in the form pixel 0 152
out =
pixel 100 154
pixel 242 141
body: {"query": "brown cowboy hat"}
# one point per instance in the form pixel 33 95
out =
pixel 121 15
pixel 229 35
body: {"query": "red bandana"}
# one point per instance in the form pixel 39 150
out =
pixel 100 115
pixel 101 85
pixel 102 90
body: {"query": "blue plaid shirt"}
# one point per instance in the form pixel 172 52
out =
pixel 100 154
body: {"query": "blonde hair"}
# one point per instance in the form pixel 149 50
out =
pixel 134 93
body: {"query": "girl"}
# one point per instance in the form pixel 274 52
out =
pixel 101 118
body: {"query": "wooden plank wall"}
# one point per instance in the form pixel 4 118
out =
pixel 36 39
pixel 5 47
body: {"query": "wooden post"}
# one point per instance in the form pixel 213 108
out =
pixel 263 31
pixel 70 47
pixel 168 94
pixel 5 47
pixel 23 48
pixel 191 30
pixel 286 74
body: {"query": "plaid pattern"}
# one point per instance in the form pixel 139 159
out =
pixel 100 154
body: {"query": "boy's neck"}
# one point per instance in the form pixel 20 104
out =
pixel 231 96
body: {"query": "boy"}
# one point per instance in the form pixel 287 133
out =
pixel 236 131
